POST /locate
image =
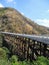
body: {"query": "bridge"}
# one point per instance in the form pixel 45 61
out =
pixel 26 46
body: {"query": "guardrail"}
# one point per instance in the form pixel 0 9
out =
pixel 41 38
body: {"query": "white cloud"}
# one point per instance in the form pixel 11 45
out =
pixel 8 1
pixel 14 2
pixel 1 5
pixel 48 10
pixel 44 22
pixel 22 13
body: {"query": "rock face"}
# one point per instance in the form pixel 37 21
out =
pixel 13 21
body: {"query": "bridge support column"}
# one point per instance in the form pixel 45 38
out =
pixel 33 50
pixel 27 51
pixel 40 49
pixel 24 49
pixel 44 49
pixel 22 46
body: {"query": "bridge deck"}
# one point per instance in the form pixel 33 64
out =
pixel 42 39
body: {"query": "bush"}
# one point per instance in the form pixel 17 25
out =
pixel 0 40
pixel 4 62
pixel 41 61
pixel 14 58
pixel 26 63
pixel 3 57
pixel 3 54
pixel 6 50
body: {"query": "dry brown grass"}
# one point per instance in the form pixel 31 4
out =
pixel 15 22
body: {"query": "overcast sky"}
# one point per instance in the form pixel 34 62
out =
pixel 37 10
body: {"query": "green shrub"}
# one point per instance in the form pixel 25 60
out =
pixel 41 61
pixel 3 54
pixel 4 62
pixel 14 58
pixel 0 40
pixel 25 63
pixel 6 50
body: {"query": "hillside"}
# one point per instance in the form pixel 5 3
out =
pixel 13 21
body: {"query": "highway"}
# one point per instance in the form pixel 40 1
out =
pixel 40 38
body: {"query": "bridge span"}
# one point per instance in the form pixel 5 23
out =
pixel 28 46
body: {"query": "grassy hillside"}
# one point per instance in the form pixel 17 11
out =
pixel 13 21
